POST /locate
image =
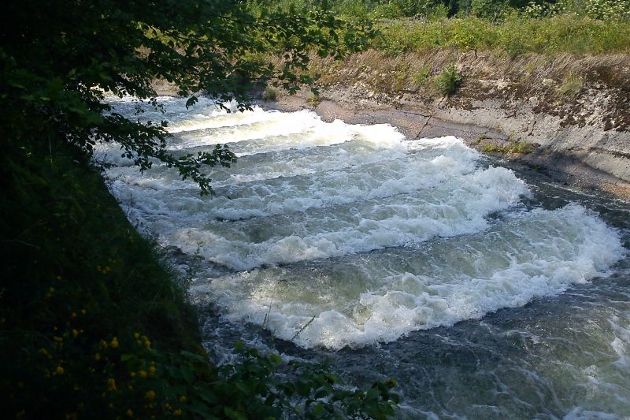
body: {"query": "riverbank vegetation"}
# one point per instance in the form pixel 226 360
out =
pixel 512 26
pixel 556 55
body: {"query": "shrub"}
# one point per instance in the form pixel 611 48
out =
pixel 314 99
pixel 270 94
pixel 421 77
pixel 557 34
pixel 448 80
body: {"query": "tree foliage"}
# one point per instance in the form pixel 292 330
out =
pixel 90 325
pixel 58 60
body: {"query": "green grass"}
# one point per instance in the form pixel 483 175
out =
pixel 270 94
pixel 516 35
pixel 421 76
pixel 513 146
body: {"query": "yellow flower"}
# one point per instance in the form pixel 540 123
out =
pixel 182 398
pixel 59 370
pixel 136 336
pixel 114 343
pixel 111 384
pixel 58 339
pixel 74 332
pixel 74 315
pixel 129 413
pixel 142 374
pixel 152 369
pixel 97 356
pixel 150 394
pixel 132 374
pixel 177 412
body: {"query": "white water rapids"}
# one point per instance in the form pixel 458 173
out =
pixel 334 235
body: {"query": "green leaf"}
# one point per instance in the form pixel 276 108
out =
pixel 234 415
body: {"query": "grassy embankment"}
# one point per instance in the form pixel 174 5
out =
pixel 562 61
pixel 559 53
pixel 421 56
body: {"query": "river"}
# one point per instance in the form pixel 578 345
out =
pixel 486 291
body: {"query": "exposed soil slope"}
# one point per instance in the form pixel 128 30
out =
pixel 568 114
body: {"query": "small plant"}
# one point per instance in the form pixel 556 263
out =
pixel 521 147
pixel 314 99
pixel 270 94
pixel 448 80
pixel 421 77
pixel 478 140
pixel 514 146
pixel 398 81
pixel 572 86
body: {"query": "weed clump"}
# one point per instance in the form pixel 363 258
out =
pixel 448 80
pixel 421 77
pixel 520 147
pixel 571 86
pixel 270 94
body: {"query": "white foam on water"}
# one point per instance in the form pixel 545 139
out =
pixel 298 130
pixel 459 207
pixel 311 194
pixel 534 254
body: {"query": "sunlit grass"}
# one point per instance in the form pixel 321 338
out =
pixel 516 35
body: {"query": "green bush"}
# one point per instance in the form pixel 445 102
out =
pixel 571 86
pixel 421 77
pixel 448 80
pixel 270 94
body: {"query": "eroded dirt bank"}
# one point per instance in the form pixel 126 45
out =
pixel 567 116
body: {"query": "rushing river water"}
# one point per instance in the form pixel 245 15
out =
pixel 487 293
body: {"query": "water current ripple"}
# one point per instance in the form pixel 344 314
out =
pixel 487 292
